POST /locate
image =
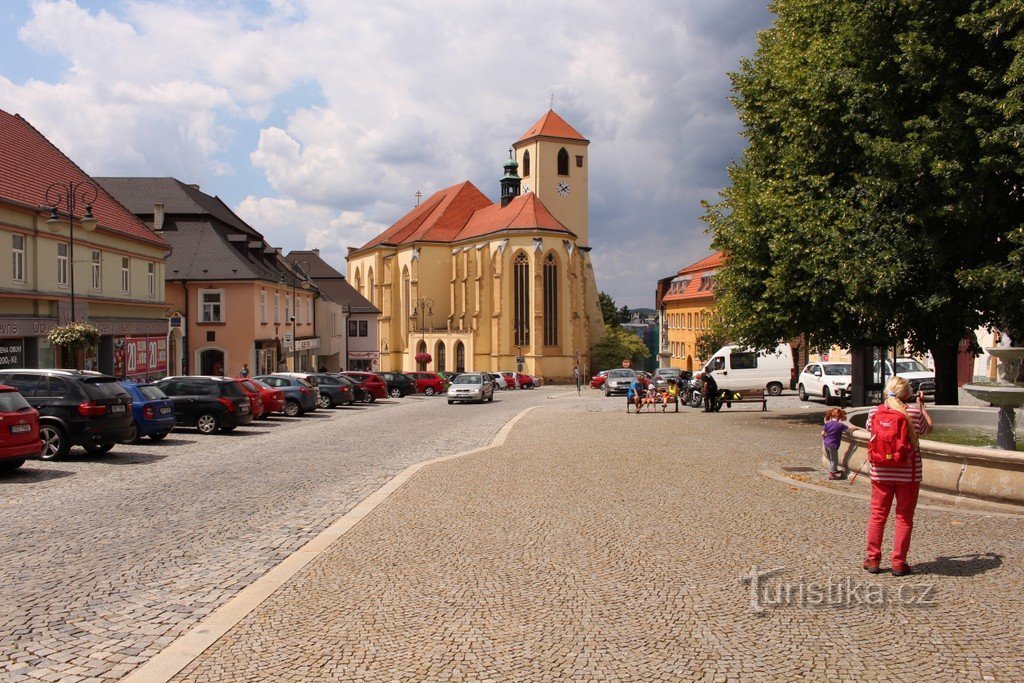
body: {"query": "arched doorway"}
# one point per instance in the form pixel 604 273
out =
pixel 211 362
pixel 460 357
pixel 421 348
pixel 175 366
pixel 440 357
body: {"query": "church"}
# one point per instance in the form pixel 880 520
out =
pixel 464 283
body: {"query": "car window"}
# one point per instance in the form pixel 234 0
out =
pixel 747 360
pixel 842 369
pixel 103 387
pixel 261 383
pixel 327 381
pixel 613 374
pixel 808 369
pixel 816 371
pixel 232 389
pixel 52 387
pixel 469 379
pixel 13 402
pixel 151 392
pixel 717 363
pixel 911 365
pixel 276 381
pixel 26 384
pixel 303 383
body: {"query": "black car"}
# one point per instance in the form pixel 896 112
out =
pixel 207 403
pixel 334 390
pixel 399 384
pixel 76 408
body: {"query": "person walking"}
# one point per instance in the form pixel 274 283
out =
pixel 894 454
pixel 831 434
pixel 576 376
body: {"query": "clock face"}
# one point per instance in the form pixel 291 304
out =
pixel 562 189
pixel 526 188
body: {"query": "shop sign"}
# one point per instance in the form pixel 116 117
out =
pixel 140 357
pixel 364 355
pixel 26 327
pixel 12 353
pixel 307 344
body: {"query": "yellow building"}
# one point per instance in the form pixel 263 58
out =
pixel 478 285
pixel 684 302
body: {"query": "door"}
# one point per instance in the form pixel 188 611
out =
pixel 211 362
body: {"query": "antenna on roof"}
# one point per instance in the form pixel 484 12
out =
pixel 551 106
pixel 419 195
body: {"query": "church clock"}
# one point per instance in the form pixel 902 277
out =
pixel 562 189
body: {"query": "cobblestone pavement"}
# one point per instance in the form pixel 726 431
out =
pixel 597 545
pixel 107 559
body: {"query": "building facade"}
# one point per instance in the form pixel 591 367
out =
pixel 684 303
pixel 478 285
pixel 111 275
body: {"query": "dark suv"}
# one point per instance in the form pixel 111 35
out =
pixel 400 385
pixel 76 408
pixel 207 403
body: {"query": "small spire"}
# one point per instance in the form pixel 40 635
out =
pixel 419 195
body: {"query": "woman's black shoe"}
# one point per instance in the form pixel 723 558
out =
pixel 872 568
pixel 902 572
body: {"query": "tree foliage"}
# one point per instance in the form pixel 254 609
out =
pixel 883 174
pixel 707 343
pixel 618 344
pixel 608 310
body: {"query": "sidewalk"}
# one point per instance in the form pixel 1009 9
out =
pixel 606 546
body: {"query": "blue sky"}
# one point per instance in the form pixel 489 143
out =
pixel 318 120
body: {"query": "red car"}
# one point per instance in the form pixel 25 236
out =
pixel 273 399
pixel 597 381
pixel 518 380
pixel 374 384
pixel 19 429
pixel 429 383
pixel 256 405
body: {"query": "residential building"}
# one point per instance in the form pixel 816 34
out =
pixel 483 285
pixel 232 298
pixel 684 301
pixel 111 276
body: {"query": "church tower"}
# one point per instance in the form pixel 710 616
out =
pixel 510 182
pixel 553 162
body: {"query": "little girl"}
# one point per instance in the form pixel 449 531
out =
pixel 831 434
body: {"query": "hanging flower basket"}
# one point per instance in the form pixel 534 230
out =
pixel 423 358
pixel 74 335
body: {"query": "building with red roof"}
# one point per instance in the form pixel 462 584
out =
pixel 684 301
pixel 111 274
pixel 475 284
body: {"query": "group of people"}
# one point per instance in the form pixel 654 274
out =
pixel 642 392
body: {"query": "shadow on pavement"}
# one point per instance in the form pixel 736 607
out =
pixel 961 565
pixel 169 442
pixel 808 418
pixel 27 474
pixel 116 457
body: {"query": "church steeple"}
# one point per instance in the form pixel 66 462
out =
pixel 511 180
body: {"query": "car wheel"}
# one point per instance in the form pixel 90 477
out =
pixel 774 389
pixel 324 401
pixel 827 395
pixel 396 392
pixel 207 423
pixel 696 398
pixel 607 393
pixel 292 408
pixel 133 435
pixel 370 398
pixel 98 449
pixel 11 465
pixel 158 437
pixel 801 392
pixel 450 401
pixel 55 442
pixel 429 391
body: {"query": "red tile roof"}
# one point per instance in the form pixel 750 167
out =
pixel 29 163
pixel 463 212
pixel 553 126
pixel 692 276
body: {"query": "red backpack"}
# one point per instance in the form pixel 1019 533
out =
pixel 891 444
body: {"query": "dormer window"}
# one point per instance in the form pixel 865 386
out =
pixel 563 162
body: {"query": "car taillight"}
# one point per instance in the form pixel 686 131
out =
pixel 148 412
pixel 91 409
pixel 228 404
pixel 305 391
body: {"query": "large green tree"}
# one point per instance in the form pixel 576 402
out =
pixel 608 310
pixel 883 169
pixel 617 345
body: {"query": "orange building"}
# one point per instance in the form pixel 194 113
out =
pixel 684 301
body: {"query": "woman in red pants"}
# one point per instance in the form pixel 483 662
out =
pixel 902 482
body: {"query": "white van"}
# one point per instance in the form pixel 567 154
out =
pixel 735 367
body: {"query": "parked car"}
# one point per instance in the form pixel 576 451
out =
pixel 76 408
pixel 915 372
pixel 373 383
pixel 736 368
pixel 400 384
pixel 300 397
pixel 208 403
pixel 519 380
pixel 617 381
pixel 471 386
pixel 450 376
pixel 597 381
pixel 662 375
pixel 273 399
pixel 431 383
pixel 824 380
pixel 497 379
pixel 152 411
pixel 359 394
pixel 334 391
pixel 19 430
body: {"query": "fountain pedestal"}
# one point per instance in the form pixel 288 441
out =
pixel 1007 394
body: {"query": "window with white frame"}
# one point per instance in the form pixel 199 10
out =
pixel 287 308
pixel 18 258
pixel 126 274
pixel 277 308
pixel 298 310
pixel 62 264
pixel 309 309
pixel 263 306
pixel 97 270
pixel 151 279
pixel 211 309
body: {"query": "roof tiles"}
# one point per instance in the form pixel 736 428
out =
pixel 552 125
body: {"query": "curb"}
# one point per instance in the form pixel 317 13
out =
pixel 166 664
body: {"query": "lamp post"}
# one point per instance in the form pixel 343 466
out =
pixel 69 194
pixel 422 306
pixel 346 310
pixel 304 284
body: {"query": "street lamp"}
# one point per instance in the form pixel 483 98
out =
pixel 304 284
pixel 69 194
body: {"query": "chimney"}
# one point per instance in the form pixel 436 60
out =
pixel 158 217
pixel 194 186
pixel 316 251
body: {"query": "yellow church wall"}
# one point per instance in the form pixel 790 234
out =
pixel 572 211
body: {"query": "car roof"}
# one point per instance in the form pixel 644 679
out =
pixel 58 371
pixel 214 377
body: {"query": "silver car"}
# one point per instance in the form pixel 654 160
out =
pixel 617 381
pixel 471 386
pixel 662 375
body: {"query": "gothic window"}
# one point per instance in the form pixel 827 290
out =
pixel 550 301
pixel 460 357
pixel 370 294
pixel 407 291
pixel 440 356
pixel 526 164
pixel 563 162
pixel 359 283
pixel 521 299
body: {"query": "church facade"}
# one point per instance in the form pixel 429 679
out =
pixel 464 283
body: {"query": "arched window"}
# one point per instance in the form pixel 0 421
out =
pixel 370 294
pixel 460 357
pixel 563 162
pixel 689 321
pixel 440 357
pixel 359 282
pixel 406 292
pixel 521 299
pixel 526 164
pixel 550 301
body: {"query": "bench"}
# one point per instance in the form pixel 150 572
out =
pixel 746 396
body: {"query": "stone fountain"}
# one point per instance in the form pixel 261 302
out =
pixel 1007 394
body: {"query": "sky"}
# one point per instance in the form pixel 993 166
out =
pixel 319 120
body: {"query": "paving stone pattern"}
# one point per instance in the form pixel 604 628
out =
pixel 603 546
pixel 106 560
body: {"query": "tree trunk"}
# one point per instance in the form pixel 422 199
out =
pixel 945 357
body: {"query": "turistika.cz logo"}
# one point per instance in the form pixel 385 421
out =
pixel 769 591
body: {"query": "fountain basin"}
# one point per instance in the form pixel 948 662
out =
pixel 976 472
